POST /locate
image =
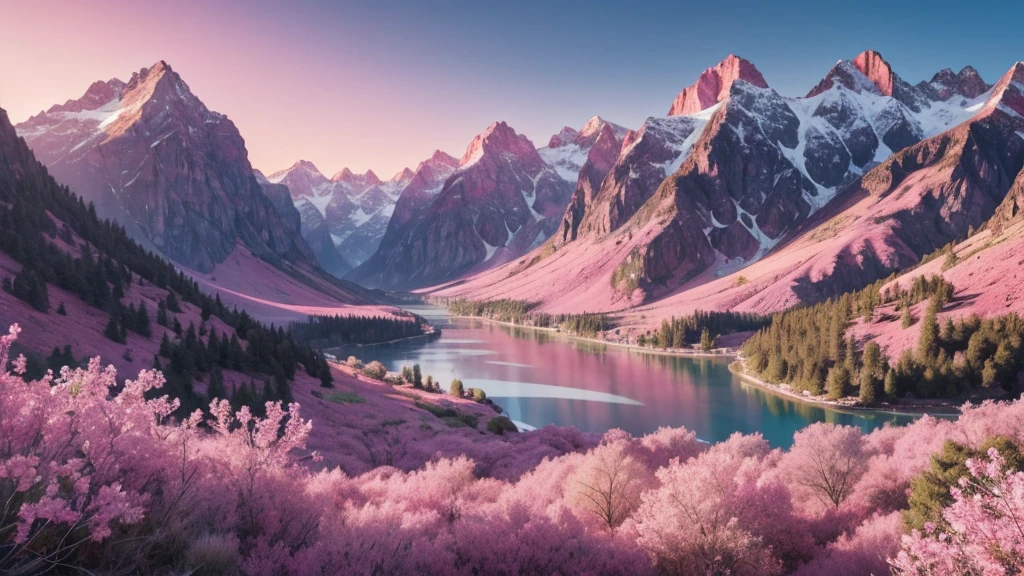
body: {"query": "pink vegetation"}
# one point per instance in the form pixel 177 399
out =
pixel 243 495
pixel 273 296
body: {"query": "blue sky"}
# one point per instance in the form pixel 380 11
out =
pixel 382 84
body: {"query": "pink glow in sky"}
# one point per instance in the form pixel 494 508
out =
pixel 381 84
pixel 296 89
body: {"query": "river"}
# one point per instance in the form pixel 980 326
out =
pixel 542 378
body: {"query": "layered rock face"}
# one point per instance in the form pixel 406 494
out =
pixel 303 217
pixel 355 208
pixel 501 202
pixel 916 201
pixel 765 163
pixel 714 85
pixel 150 154
pixel 693 197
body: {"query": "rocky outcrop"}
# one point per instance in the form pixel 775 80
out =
pixel 945 84
pixel 150 154
pixel 870 72
pixel 714 85
pixel 303 218
pixel 501 202
pixel 355 208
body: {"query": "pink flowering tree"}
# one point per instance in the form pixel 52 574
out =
pixel 65 477
pixel 986 527
pixel 711 515
pixel 608 483
pixel 824 464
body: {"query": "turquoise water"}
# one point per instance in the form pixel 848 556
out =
pixel 542 378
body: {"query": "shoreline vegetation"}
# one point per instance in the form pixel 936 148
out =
pixel 850 403
pixel 945 408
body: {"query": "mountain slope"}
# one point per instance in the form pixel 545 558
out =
pixel 301 215
pixel 748 171
pixel 502 201
pixel 918 200
pixel 150 154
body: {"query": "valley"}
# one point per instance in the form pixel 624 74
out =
pixel 769 321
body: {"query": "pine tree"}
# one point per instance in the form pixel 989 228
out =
pixel 707 343
pixel 417 376
pixel 838 382
pixel 172 303
pixel 457 388
pixel 142 326
pixel 850 358
pixel 928 344
pixel 165 346
pixel 867 387
pixel 216 387
pixel 161 314
pixel 907 319
pixel 890 384
pixel 113 331
pixel 62 310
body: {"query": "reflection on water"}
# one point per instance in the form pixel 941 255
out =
pixel 542 378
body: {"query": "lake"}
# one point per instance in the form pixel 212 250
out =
pixel 540 378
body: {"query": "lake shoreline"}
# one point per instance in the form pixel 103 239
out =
pixel 427 336
pixel 728 352
pixel 943 409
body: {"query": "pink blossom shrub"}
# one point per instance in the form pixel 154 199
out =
pixel 986 526
pixel 98 475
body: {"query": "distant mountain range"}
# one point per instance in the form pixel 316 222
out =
pixel 744 199
pixel 150 155
pixel 739 198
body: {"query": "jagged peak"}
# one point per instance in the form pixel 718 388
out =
pixel 367 178
pixel 438 160
pixel 1008 93
pixel 593 126
pixel 499 137
pixel 303 167
pixel 564 136
pixel 714 85
pixel 402 175
pixel 867 72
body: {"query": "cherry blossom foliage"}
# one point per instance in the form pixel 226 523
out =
pixel 986 527
pixel 98 474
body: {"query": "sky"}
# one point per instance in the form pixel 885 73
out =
pixel 382 84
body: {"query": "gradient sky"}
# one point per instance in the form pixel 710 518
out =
pixel 382 84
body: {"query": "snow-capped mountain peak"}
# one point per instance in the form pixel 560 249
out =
pixel 567 155
pixel 498 138
pixel 714 85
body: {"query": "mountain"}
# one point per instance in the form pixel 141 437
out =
pixel 355 208
pixel 505 198
pixel 694 197
pixel 306 219
pixel 83 288
pixel 714 85
pixel 941 190
pixel 151 155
